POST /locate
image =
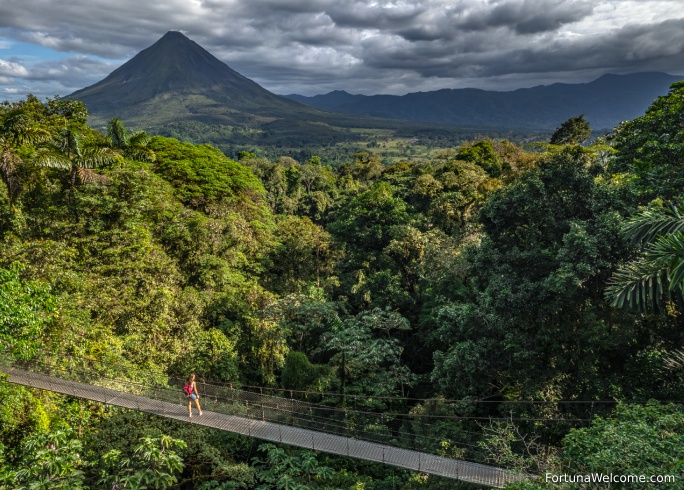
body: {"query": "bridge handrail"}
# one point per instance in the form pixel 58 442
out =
pixel 290 411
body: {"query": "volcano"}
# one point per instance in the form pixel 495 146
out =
pixel 175 80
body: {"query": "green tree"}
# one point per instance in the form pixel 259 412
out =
pixel 284 471
pixel 574 131
pixel 368 354
pixel 365 222
pixel 537 279
pixel 132 146
pixel 483 154
pixel 154 464
pixel 300 374
pixel 650 149
pixel 26 310
pixel 77 152
pixel 204 178
pixel 635 440
pixel 46 461
pixel 304 255
pixel 17 129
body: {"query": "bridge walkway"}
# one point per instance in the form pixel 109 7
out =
pixel 269 431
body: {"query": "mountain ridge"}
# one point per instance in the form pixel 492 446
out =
pixel 177 88
pixel 605 102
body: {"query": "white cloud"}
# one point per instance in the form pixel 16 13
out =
pixel 12 69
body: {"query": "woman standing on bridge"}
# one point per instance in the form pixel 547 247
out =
pixel 190 389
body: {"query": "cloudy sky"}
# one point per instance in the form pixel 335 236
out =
pixel 361 46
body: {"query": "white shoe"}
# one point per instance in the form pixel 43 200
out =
pixel 189 415
pixel 200 412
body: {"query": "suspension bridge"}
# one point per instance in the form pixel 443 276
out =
pixel 271 418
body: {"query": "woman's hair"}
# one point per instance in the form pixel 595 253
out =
pixel 190 378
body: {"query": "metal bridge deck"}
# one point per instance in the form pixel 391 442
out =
pixel 345 446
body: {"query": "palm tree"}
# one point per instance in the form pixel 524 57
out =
pixel 658 273
pixel 132 146
pixel 17 129
pixel 70 152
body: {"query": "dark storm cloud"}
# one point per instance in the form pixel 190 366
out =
pixel 528 16
pixel 365 46
pixel 632 47
pixel 360 14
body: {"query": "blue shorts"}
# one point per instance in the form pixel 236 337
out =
pixel 192 397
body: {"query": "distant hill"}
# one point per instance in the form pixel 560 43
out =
pixel 605 102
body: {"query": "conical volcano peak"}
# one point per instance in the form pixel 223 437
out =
pixel 177 39
pixel 173 34
pixel 176 78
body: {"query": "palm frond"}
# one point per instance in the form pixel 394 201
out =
pixel 652 222
pixel 18 130
pixel 675 360
pixel 89 176
pixel 94 157
pixel 140 153
pixel 638 285
pixel 69 143
pixel 669 250
pixel 657 274
pixel 139 138
pixel 52 158
pixel 117 133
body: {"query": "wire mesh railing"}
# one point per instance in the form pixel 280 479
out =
pixel 391 439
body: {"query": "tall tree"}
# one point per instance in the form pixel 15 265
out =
pixel 16 130
pixel 133 145
pixel 574 131
pixel 651 148
pixel 71 151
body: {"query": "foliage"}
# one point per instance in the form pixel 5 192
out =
pixel 280 470
pixel 658 274
pixel 477 272
pixel 368 354
pixel 506 446
pixel 46 461
pixel 482 154
pixel 651 148
pixel 26 310
pixel 551 240
pixel 153 464
pixel 574 131
pixel 132 146
pixel 203 176
pixel 635 440
pixel 299 374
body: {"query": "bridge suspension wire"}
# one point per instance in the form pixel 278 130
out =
pixel 258 393
pixel 440 400
pixel 265 417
